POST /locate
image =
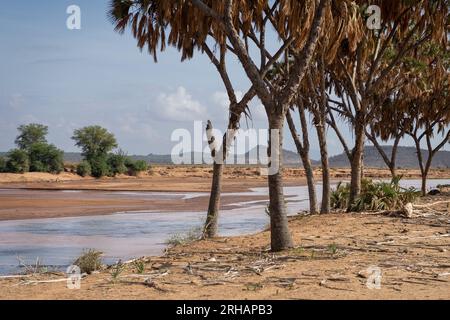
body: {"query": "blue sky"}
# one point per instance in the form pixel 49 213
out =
pixel 68 79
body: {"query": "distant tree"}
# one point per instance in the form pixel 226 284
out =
pixel 30 134
pixel 45 157
pixel 18 161
pixel 95 141
pixel 99 167
pixel 135 167
pixel 2 164
pixel 117 163
pixel 84 169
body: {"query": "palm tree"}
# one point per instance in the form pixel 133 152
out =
pixel 367 71
pixel 231 26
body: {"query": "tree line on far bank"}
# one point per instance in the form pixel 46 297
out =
pixel 35 154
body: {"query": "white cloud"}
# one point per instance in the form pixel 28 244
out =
pixel 179 106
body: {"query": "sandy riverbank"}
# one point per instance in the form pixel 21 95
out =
pixel 46 204
pixel 331 261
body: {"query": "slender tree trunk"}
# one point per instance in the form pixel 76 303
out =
pixel 212 218
pixel 421 166
pixel 424 184
pixel 303 151
pixel 362 166
pixel 356 163
pixel 309 172
pixel 326 187
pixel 210 228
pixel 280 236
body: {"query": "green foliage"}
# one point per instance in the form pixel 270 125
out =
pixel 375 196
pixel 117 163
pixel 31 134
pixel 99 167
pixel 135 167
pixel 2 164
pixel 332 248
pixel 116 270
pixel 84 169
pixel 45 158
pixel 18 161
pixel 95 142
pixel 89 261
pixel 139 266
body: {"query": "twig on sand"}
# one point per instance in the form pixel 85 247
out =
pixel 324 284
pixel 29 282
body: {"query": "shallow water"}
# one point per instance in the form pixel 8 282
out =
pixel 129 235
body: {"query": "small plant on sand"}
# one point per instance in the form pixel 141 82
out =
pixel 116 270
pixel 89 261
pixel 332 248
pixel 298 251
pixel 36 268
pixel 180 239
pixel 139 266
pixel 375 196
pixel 253 286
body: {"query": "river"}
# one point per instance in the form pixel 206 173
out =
pixel 57 241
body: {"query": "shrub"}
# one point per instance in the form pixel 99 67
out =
pixel 84 169
pixel 99 167
pixel 139 266
pixel 135 167
pixel 2 164
pixel 18 161
pixel 117 163
pixel 45 158
pixel 89 261
pixel 375 196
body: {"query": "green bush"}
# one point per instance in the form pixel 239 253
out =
pixel 18 161
pixel 375 196
pixel 135 167
pixel 117 163
pixel 2 164
pixel 45 158
pixel 89 261
pixel 99 167
pixel 84 169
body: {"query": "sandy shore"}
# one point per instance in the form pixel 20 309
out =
pixel 42 204
pixel 332 260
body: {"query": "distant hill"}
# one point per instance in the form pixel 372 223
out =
pixel 406 158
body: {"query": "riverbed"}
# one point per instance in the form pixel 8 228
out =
pixel 56 242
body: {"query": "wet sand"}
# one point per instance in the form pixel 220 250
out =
pixel 21 204
pixel 47 204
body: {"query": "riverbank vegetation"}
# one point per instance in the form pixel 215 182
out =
pixel 35 154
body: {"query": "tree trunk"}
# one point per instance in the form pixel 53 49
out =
pixel 210 228
pixel 212 218
pixel 356 163
pixel 303 151
pixel 309 172
pixel 280 235
pixel 326 187
pixel 424 184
